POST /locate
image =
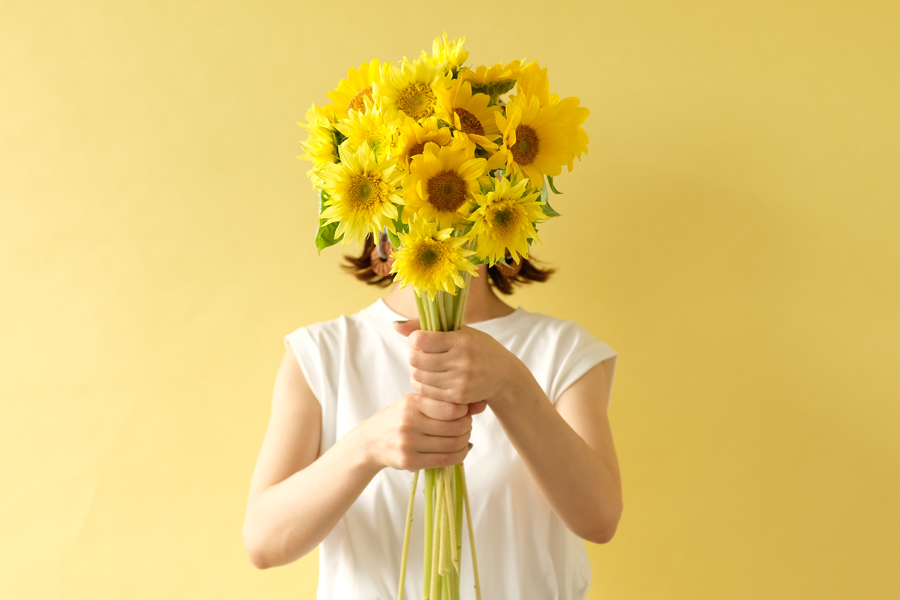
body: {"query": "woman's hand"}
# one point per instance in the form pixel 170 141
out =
pixel 461 367
pixel 416 433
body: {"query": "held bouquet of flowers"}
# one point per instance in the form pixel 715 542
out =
pixel 452 165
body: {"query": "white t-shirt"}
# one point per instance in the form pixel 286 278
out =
pixel 356 365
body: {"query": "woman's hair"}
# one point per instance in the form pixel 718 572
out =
pixel 361 268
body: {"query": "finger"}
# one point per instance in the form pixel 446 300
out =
pixel 441 428
pixel 428 461
pixel 428 361
pixel 434 444
pixel 434 392
pixel 433 341
pixel 440 410
pixel 436 379
pixel 406 327
pixel 477 407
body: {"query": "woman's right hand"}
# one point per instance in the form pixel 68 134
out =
pixel 417 432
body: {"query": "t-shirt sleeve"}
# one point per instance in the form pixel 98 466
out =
pixel 579 352
pixel 307 352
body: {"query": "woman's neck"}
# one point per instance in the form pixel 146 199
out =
pixel 481 305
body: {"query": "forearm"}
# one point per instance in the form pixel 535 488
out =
pixel 291 518
pixel 573 478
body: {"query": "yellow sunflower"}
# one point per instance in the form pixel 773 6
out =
pixel 352 92
pixel 440 183
pixel 493 81
pixel 411 88
pixel 498 73
pixel 320 147
pixel 363 193
pixel 446 53
pixel 413 137
pixel 375 126
pixel 533 82
pixel 430 259
pixel 469 113
pixel 535 138
pixel 504 219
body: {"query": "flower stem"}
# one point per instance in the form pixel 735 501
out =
pixel 465 490
pixel 429 531
pixel 451 517
pixel 409 513
pixel 458 514
pixel 423 314
pixel 436 538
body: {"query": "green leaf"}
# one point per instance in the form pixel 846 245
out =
pixel 325 236
pixel 325 233
pixel 548 210
pixel 553 187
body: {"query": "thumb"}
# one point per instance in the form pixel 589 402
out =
pixel 406 327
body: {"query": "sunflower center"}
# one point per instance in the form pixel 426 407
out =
pixel 417 149
pixel 428 255
pixel 358 102
pixel 527 145
pixel 365 190
pixel 416 100
pixel 447 191
pixel 469 122
pixel 503 217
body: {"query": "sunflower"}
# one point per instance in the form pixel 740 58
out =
pixel 533 82
pixel 505 217
pixel 362 194
pixel 413 137
pixel 446 53
pixel 431 260
pixel 375 126
pixel 469 113
pixel 321 146
pixel 440 183
pixel 411 88
pixel 352 92
pixel 493 81
pixel 535 138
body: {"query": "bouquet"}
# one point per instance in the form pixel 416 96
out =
pixel 452 165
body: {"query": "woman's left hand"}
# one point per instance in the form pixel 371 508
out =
pixel 462 367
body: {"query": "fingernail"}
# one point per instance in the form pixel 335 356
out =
pixel 470 445
pixel 406 321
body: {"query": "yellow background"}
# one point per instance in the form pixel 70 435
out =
pixel 733 234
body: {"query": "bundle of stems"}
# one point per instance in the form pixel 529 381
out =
pixel 446 494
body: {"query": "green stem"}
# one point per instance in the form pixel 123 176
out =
pixel 440 303
pixel 436 538
pixel 423 314
pixel 457 473
pixel 429 531
pixel 451 516
pixel 465 489
pixel 409 513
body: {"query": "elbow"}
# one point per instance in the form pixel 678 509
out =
pixel 602 530
pixel 255 549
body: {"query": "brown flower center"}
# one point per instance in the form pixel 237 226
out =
pixel 416 100
pixel 527 145
pixel 358 102
pixel 365 190
pixel 447 191
pixel 417 149
pixel 428 255
pixel 469 122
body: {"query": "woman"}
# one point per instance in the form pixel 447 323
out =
pixel 361 401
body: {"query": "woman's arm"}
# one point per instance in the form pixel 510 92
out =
pixel 296 499
pixel 284 521
pixel 567 448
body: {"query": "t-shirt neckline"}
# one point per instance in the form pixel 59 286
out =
pixel 385 313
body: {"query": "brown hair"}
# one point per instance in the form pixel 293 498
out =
pixel 361 268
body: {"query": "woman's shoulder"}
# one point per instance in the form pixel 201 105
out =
pixel 337 327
